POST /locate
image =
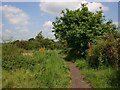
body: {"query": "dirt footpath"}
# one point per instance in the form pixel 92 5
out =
pixel 77 79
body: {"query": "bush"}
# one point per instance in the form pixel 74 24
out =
pixel 106 52
pixel 114 80
pixel 99 78
pixel 40 70
pixel 10 49
pixel 78 27
pixel 81 64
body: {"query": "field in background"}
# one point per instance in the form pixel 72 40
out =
pixel 34 69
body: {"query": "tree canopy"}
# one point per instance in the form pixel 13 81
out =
pixel 79 27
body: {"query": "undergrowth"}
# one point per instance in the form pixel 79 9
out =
pixel 104 77
pixel 42 69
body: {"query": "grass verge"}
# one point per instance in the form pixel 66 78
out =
pixel 98 78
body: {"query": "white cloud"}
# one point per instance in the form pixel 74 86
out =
pixel 95 6
pixel 1 26
pixel 7 35
pixel 0 8
pixel 20 21
pixel 56 7
pixel 15 15
pixel 47 30
pixel 48 24
pixel 23 29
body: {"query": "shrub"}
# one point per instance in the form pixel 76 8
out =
pixel 101 77
pixel 42 69
pixel 78 27
pixel 114 79
pixel 106 52
pixel 81 64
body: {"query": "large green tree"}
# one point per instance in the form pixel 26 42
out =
pixel 79 27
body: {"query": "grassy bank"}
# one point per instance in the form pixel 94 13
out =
pixel 37 69
pixel 99 78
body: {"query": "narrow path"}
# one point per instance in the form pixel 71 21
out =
pixel 77 79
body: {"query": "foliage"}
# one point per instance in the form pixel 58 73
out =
pixel 10 49
pixel 106 51
pixel 99 78
pixel 81 64
pixel 39 36
pixel 42 69
pixel 12 57
pixel 22 44
pixel 79 27
pixel 115 79
pixel 35 43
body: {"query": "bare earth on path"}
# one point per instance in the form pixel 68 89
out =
pixel 77 79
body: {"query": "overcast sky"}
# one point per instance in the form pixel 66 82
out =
pixel 23 20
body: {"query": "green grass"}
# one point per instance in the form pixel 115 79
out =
pixel 44 69
pixel 98 78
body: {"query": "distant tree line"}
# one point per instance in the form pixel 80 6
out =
pixel 38 42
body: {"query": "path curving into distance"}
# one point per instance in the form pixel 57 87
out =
pixel 77 79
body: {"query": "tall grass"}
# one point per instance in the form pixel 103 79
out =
pixel 98 78
pixel 42 69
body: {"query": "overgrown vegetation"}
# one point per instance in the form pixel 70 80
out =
pixel 40 69
pixel 102 63
pixel 90 36
pixel 106 51
pixel 85 37
pixel 106 77
pixel 35 43
pixel 78 28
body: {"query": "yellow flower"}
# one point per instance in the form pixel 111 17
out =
pixel 41 49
